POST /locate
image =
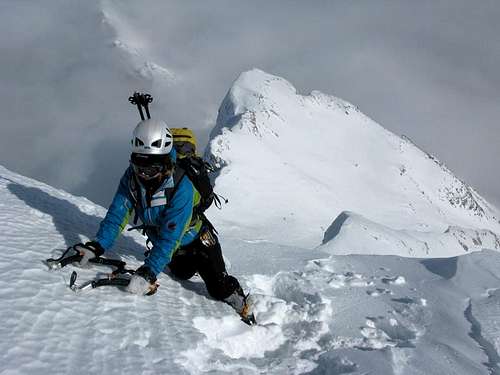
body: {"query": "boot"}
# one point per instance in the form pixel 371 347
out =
pixel 240 303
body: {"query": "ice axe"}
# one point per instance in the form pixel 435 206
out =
pixel 141 100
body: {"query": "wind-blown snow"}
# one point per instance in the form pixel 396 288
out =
pixel 353 314
pixel 291 164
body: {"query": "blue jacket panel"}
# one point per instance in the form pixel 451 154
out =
pixel 168 222
pixel 118 213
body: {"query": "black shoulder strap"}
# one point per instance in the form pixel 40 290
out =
pixel 193 165
pixel 179 173
pixel 183 163
pixel 133 188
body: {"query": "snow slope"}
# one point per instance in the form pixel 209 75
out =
pixel 291 165
pixel 352 314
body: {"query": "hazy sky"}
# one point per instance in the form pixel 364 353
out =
pixel 426 69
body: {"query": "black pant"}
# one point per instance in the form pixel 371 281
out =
pixel 209 263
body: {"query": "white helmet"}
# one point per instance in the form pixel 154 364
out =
pixel 152 137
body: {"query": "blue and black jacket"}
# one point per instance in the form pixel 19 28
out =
pixel 169 224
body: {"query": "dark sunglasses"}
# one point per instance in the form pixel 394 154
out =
pixel 148 167
pixel 148 172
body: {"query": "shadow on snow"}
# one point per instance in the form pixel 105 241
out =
pixel 69 221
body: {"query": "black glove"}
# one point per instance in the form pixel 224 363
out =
pixel 142 281
pixel 89 250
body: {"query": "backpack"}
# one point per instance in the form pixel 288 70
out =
pixel 184 142
pixel 194 167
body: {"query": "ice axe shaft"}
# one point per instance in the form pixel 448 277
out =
pixel 141 100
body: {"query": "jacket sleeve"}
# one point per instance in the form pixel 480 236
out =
pixel 174 223
pixel 118 214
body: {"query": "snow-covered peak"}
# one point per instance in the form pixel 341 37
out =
pixel 255 88
pixel 291 163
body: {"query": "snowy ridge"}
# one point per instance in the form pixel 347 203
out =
pixel 303 160
pixel 353 234
pixel 133 48
pixel 336 315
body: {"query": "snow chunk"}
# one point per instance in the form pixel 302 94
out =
pixel 236 339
